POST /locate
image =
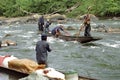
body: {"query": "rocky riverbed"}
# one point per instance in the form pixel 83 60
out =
pixel 57 18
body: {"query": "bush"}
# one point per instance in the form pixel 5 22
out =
pixel 24 7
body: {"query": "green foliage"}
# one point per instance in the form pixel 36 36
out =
pixel 113 8
pixel 13 8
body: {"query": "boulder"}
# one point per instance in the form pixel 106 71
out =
pixel 56 18
pixel 8 43
pixel 6 35
pixel 70 28
pixel 101 28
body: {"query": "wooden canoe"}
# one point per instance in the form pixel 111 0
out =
pixel 17 75
pixel 81 39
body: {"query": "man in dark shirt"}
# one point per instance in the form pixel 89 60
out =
pixel 41 23
pixel 42 47
pixel 56 31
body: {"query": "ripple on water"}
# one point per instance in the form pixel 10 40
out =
pixel 99 59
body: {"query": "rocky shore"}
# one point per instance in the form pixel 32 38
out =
pixel 31 19
pixel 34 18
pixel 56 18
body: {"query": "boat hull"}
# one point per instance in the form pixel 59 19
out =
pixel 12 73
pixel 81 39
pixel 17 75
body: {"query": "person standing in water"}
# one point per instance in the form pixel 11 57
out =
pixel 41 23
pixel 46 27
pixel 42 47
pixel 87 25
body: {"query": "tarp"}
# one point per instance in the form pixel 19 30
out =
pixel 2 59
pixel 24 65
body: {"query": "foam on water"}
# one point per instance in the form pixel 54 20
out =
pixel 99 59
pixel 31 47
pixel 31 32
pixel 13 31
pixel 51 40
pixel 111 44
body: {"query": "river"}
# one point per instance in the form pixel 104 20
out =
pixel 99 59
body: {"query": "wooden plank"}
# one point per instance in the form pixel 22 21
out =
pixel 12 72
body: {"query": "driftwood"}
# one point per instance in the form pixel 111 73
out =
pixel 55 12
pixel 67 10
pixel 73 7
pixel 24 11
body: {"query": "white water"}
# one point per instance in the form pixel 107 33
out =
pixel 99 59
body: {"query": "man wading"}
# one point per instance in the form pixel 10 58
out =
pixel 42 47
pixel 41 23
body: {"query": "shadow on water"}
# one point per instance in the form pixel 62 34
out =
pixel 91 44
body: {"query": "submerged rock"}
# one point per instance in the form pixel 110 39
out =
pixel 6 43
pixel 70 28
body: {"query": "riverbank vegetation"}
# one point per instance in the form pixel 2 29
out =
pixel 71 8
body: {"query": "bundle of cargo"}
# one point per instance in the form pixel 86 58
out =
pixel 28 66
pixel 25 69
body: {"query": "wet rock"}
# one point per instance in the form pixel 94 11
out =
pixel 115 18
pixel 6 43
pixel 56 18
pixel 31 20
pixel 101 28
pixel 2 22
pixel 104 28
pixel 6 35
pixel 70 28
pixel 114 30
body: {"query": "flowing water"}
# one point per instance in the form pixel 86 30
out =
pixel 99 59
